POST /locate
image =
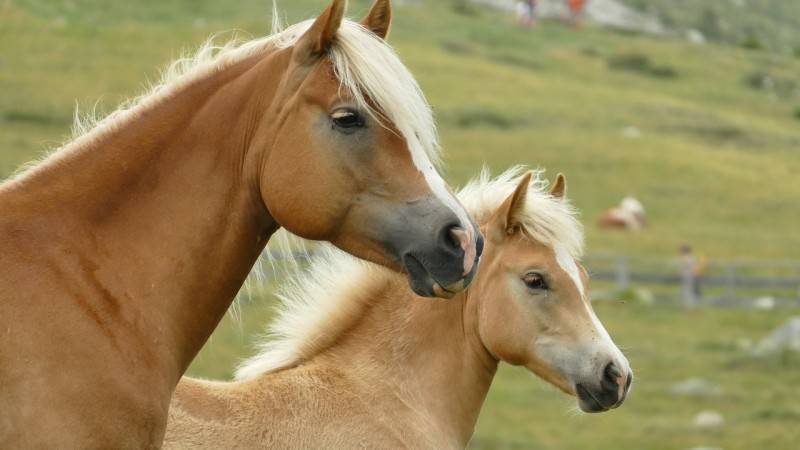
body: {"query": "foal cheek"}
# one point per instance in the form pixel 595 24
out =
pixel 503 341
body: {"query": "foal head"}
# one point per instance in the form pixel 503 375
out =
pixel 533 308
pixel 348 158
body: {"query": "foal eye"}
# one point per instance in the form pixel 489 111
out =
pixel 534 281
pixel 347 119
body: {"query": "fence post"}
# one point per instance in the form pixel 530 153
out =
pixel 798 284
pixel 730 281
pixel 623 274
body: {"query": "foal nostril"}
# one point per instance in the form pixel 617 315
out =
pixel 612 373
pixel 626 389
pixel 611 379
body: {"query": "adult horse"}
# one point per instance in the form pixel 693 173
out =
pixel 121 251
pixel 358 361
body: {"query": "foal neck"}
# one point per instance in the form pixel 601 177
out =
pixel 420 354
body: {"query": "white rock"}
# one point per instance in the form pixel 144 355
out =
pixel 695 387
pixel 708 419
pixel 695 37
pixel 784 338
pixel 631 132
pixel 764 303
pixel 611 13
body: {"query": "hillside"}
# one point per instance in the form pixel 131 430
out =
pixel 769 23
pixel 718 125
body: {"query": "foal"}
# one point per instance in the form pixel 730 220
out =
pixel 120 252
pixel 360 362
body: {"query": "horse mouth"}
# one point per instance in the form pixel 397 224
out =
pixel 424 284
pixel 588 402
pixel 442 292
pixel 597 402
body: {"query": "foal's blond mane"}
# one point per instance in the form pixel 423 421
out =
pixel 366 66
pixel 319 303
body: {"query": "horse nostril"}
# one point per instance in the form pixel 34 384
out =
pixel 479 246
pixel 454 239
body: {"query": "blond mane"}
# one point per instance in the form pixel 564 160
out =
pixel 547 219
pixel 366 66
pixel 318 303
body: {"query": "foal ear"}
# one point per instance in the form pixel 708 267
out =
pixel 319 38
pixel 379 18
pixel 559 187
pixel 507 217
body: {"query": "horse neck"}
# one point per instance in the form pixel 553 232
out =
pixel 430 358
pixel 163 206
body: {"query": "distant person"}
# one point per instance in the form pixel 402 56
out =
pixel 691 269
pixel 526 13
pixel 575 11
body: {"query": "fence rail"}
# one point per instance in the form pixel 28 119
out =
pixel 724 282
pixel 713 280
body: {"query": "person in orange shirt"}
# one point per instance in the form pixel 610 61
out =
pixel 575 9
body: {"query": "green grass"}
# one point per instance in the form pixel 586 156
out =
pixel 715 165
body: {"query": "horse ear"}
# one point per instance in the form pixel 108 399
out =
pixel 379 18
pixel 559 187
pixel 319 38
pixel 507 217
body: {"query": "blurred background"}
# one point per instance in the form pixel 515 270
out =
pixel 677 123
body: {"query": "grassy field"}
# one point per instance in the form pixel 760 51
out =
pixel 715 164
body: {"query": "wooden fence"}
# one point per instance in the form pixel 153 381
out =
pixel 722 282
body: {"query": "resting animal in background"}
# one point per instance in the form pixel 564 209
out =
pixel 359 361
pixel 629 215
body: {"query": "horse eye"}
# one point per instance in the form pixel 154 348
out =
pixel 347 119
pixel 534 281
